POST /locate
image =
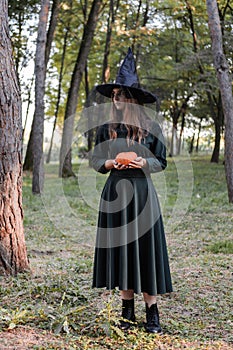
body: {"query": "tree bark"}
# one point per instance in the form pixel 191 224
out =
pixel 58 94
pixel 65 167
pixel 222 70
pixel 176 112
pixel 218 122
pixel 111 19
pixel 28 162
pixel 174 139
pixel 181 131
pixel 217 139
pixel 144 23
pixel 198 136
pixel 29 91
pixel 137 24
pixel 210 95
pixel 191 144
pixel 51 30
pixel 13 254
pixel 40 69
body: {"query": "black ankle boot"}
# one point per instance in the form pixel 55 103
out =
pixel 127 314
pixel 152 319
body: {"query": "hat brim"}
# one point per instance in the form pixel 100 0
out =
pixel 141 95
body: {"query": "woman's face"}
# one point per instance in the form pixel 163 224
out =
pixel 119 99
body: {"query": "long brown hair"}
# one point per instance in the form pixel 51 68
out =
pixel 133 117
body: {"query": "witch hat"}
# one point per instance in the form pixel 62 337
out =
pixel 127 79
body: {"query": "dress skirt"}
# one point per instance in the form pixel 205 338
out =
pixel 131 251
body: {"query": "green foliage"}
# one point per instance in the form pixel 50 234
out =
pixel 22 8
pixel 159 31
pixel 22 16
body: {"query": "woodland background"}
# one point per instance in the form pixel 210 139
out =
pixel 172 46
pixel 61 50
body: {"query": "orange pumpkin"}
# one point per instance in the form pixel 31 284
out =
pixel 125 157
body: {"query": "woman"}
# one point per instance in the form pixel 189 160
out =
pixel 130 251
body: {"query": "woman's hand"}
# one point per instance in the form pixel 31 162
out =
pixel 111 163
pixel 138 163
pixel 119 166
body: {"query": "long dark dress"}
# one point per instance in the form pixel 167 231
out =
pixel 130 250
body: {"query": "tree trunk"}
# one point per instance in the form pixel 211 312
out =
pixel 176 111
pixel 137 24
pixel 216 151
pixel 17 50
pixel 218 124
pixel 111 18
pixel 198 136
pixel 38 130
pixel 51 30
pixel 65 167
pixel 58 94
pixel 210 95
pixel 28 161
pixel 29 91
pixel 175 114
pixel 191 144
pixel 181 132
pixel 221 66
pixel 174 141
pixel 13 254
pixel 89 133
pixel 144 23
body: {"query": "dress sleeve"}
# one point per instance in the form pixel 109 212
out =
pixel 158 149
pixel 101 150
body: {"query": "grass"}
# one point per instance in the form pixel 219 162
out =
pixel 54 306
pixel 225 247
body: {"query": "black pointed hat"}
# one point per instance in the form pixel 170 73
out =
pixel 127 79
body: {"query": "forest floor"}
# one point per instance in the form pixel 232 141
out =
pixel 54 307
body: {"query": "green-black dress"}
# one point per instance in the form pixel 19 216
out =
pixel 130 251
